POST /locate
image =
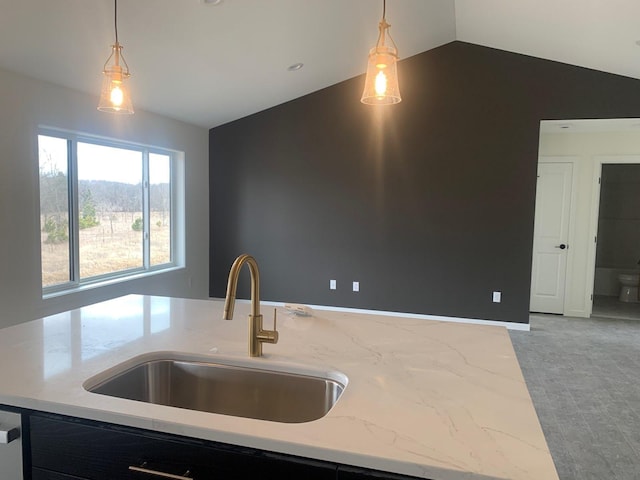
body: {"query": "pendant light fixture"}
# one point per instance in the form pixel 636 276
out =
pixel 115 96
pixel 381 85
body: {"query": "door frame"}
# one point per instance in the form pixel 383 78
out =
pixel 599 161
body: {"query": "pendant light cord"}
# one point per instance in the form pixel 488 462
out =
pixel 383 24
pixel 115 19
pixel 117 51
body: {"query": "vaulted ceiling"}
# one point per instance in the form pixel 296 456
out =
pixel 209 64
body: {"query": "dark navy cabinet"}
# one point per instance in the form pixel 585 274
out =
pixel 356 473
pixel 67 448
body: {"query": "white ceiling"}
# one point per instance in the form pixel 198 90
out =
pixel 597 34
pixel 208 65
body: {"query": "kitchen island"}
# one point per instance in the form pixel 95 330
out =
pixel 436 400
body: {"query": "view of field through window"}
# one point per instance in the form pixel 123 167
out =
pixel 111 221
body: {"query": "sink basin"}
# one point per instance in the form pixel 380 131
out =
pixel 243 391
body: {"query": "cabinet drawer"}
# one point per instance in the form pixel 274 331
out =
pixel 97 451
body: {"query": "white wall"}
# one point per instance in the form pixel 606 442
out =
pixel 26 104
pixel 587 151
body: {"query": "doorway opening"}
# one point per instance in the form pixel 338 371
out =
pixel 617 268
pixel 591 147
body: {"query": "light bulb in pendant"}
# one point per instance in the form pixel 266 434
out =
pixel 381 84
pixel 117 96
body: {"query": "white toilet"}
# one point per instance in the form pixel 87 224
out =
pixel 629 290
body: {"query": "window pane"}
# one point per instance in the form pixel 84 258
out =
pixel 109 209
pixel 54 210
pixel 160 208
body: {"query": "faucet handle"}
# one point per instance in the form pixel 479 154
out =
pixel 273 334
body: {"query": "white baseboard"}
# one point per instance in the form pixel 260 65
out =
pixel 510 325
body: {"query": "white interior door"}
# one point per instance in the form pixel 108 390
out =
pixel 551 231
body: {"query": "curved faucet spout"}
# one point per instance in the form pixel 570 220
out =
pixel 257 335
pixel 232 285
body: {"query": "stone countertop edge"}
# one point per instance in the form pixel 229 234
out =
pixel 437 400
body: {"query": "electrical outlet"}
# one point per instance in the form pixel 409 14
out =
pixel 497 297
pixel 356 286
pixel 332 285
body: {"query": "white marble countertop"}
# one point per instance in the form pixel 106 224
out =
pixel 444 401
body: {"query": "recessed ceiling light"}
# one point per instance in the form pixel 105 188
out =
pixel 212 2
pixel 295 67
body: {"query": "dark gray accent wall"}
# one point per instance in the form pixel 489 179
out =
pixel 429 204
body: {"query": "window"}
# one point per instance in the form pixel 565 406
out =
pixel 107 209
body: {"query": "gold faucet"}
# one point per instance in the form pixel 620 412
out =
pixel 257 336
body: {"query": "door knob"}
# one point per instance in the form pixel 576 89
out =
pixel 562 246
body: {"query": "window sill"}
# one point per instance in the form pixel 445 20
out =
pixel 107 282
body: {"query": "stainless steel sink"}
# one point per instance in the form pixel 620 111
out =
pixel 241 391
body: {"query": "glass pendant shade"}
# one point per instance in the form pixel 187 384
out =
pixel 115 96
pixel 381 84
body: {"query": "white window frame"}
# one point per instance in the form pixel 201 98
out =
pixel 176 212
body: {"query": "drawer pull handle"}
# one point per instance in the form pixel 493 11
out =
pixel 148 471
pixel 9 435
